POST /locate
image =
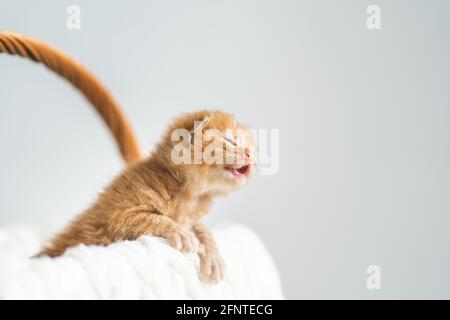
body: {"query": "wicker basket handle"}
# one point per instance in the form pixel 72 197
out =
pixel 83 80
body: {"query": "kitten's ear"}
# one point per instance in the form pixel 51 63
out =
pixel 200 125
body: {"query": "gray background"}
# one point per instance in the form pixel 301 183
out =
pixel 363 118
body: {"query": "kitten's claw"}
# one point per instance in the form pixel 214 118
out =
pixel 183 240
pixel 211 267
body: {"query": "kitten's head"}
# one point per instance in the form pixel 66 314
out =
pixel 211 146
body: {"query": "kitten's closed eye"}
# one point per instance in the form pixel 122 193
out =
pixel 230 141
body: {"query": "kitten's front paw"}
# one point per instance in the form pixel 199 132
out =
pixel 183 240
pixel 211 266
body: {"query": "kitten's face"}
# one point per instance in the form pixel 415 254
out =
pixel 225 150
pixel 229 141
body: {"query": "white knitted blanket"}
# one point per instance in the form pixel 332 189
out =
pixel 143 269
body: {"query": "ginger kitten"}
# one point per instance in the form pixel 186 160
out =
pixel 168 193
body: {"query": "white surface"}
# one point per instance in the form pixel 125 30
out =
pixel 143 269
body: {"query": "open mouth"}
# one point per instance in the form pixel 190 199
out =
pixel 241 171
